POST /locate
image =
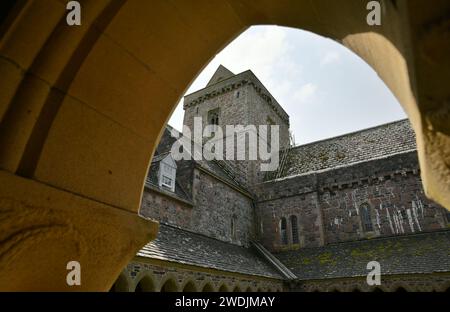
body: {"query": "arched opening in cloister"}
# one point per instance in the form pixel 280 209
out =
pixel 62 107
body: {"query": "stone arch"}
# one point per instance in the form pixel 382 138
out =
pixel 237 288
pixel 208 287
pixel 443 288
pixel 400 287
pixel 145 282
pixel 122 284
pixel 169 285
pixel 249 289
pixel 64 86
pixel 424 288
pixel 189 286
pixel 224 288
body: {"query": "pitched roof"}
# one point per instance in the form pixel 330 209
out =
pixel 213 167
pixel 364 145
pixel 409 254
pixel 151 181
pixel 220 74
pixel 159 157
pixel 177 245
pixel 227 84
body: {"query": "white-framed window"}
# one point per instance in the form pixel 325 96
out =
pixel 167 181
pixel 167 173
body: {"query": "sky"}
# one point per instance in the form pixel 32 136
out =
pixel 326 89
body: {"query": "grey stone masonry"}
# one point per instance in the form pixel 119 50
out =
pixel 238 100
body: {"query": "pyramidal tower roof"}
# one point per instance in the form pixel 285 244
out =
pixel 221 73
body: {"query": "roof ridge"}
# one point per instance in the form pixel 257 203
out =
pixel 347 165
pixel 232 180
pixel 200 234
pixel 352 133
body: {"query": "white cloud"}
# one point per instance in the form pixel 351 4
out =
pixel 305 93
pixel 264 50
pixel 330 58
pixel 289 63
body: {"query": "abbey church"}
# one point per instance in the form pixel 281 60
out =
pixel 314 224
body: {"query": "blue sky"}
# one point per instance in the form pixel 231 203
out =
pixel 326 89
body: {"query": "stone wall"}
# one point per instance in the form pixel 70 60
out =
pixel 166 209
pixel 283 198
pixel 328 203
pixel 216 205
pixel 163 276
pixel 389 283
pixel 244 102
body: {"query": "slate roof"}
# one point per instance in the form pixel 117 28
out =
pixel 177 245
pixel 152 181
pixel 210 166
pixel 409 254
pixel 364 145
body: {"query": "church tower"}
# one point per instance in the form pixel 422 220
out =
pixel 240 99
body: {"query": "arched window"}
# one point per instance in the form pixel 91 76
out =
pixel 213 117
pixel 283 231
pixel 233 228
pixel 294 229
pixel 365 218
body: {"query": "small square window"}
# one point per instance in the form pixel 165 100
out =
pixel 166 181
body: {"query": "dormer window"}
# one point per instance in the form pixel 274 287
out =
pixel 167 173
pixel 167 181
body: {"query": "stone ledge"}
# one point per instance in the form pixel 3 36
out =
pixel 47 228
